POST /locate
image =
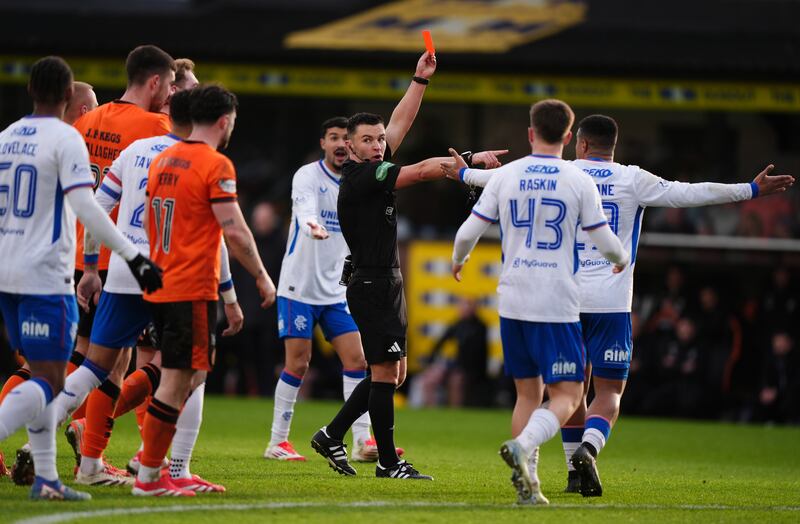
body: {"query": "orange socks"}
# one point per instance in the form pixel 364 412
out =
pixel 75 361
pixel 137 387
pixel 19 376
pixel 100 407
pixel 159 428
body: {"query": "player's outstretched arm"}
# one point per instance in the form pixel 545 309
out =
pixel 609 245
pixel 466 238
pixel 656 191
pixel 406 111
pixel 457 169
pixel 243 247
pixel 96 220
pixel 432 168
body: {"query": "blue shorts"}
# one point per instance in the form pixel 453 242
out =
pixel 609 343
pixel 297 319
pixel 550 349
pixel 120 320
pixel 42 327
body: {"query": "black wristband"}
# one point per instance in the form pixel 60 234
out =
pixel 420 80
pixel 467 156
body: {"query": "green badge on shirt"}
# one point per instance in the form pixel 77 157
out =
pixel 383 171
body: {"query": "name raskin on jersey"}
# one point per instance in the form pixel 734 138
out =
pixel 18 148
pixel 537 184
pixel 616 355
pixel 168 179
pixel 32 329
pixel 564 368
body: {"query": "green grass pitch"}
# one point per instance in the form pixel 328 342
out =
pixel 652 470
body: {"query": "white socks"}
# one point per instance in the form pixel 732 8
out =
pixel 23 404
pixel 533 466
pixel 360 428
pixel 542 426
pixel 186 431
pixel 595 438
pixel 76 388
pixel 42 436
pixel 285 397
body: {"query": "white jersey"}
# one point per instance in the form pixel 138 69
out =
pixel 312 268
pixel 625 192
pixel 41 159
pixel 539 201
pixel 125 183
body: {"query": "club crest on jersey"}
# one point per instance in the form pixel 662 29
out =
pixel 228 185
pixel 616 353
pixel 24 131
pixel 323 189
pixel 300 322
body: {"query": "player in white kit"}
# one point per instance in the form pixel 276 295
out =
pixel 42 161
pixel 122 315
pixel 606 298
pixel 309 293
pixel 539 201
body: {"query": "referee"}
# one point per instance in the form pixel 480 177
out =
pixel 367 210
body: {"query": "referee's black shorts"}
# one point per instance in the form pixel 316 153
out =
pixel 378 305
pixel 86 319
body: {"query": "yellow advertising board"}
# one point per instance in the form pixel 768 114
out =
pixel 433 295
pixel 457 26
pixel 321 82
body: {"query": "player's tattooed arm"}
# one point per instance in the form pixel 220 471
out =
pixel 242 246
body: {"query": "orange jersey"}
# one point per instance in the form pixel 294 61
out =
pixel 184 235
pixel 108 130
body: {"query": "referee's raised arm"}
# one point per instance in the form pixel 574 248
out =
pixel 406 111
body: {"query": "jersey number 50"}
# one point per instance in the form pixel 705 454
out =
pixel 21 195
pixel 526 220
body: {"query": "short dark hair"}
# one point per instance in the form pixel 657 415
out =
pixel 211 101
pixel 337 121
pixel 50 78
pixel 146 61
pixel 599 130
pixel 180 107
pixel 369 119
pixel 182 67
pixel 551 119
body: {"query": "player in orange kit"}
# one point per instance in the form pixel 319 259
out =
pixel 191 203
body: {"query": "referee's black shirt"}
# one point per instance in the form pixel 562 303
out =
pixel 367 210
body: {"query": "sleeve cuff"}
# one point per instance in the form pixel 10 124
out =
pixel 91 259
pixel 754 188
pixel 225 286
pixel 484 218
pixel 461 173
pixel 595 226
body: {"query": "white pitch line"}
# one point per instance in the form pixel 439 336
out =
pixel 186 508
